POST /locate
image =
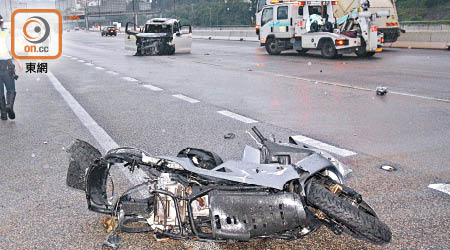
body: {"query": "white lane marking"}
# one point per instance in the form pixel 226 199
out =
pixel 89 64
pixel 130 79
pixel 105 141
pixel 236 116
pixel 74 58
pixel 441 187
pixel 112 72
pixel 186 98
pixel 68 56
pixel 321 145
pixel 337 84
pixel 81 61
pixel 100 68
pixel 151 87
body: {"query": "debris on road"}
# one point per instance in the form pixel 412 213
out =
pixel 388 168
pixel 229 136
pixel 381 90
pixel 113 240
pixel 309 63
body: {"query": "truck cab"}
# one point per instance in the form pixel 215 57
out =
pixel 305 25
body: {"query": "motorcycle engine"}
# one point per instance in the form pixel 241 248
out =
pixel 165 214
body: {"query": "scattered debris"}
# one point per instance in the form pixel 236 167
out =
pixel 242 39
pixel 207 54
pixel 388 168
pixel 109 223
pixel 113 240
pixel 309 63
pixel 320 71
pixel 381 90
pixel 45 142
pixel 209 38
pixel 249 69
pixel 229 136
pixel 33 155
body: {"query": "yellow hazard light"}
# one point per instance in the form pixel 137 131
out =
pixel 301 3
pixel 379 50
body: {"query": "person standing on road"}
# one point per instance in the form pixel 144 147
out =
pixel 7 75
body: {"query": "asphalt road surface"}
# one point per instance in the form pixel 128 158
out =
pixel 166 103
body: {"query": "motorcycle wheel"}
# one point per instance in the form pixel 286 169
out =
pixel 359 221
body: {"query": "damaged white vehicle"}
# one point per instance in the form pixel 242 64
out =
pixel 159 36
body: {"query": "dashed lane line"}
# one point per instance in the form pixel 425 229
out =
pixel 81 61
pixel 100 135
pixel 151 87
pixel 130 79
pixel 321 145
pixel 186 98
pixel 236 116
pixel 89 64
pixel 100 68
pixel 445 188
pixel 112 72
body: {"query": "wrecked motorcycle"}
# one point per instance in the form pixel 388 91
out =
pixel 281 190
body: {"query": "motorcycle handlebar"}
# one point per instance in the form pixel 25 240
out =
pixel 258 134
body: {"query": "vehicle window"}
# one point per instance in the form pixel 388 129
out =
pixel 317 10
pixel 176 27
pixel 282 13
pixel 300 11
pixel 155 28
pixel 267 16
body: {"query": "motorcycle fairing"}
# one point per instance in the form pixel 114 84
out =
pixel 267 175
pixel 243 215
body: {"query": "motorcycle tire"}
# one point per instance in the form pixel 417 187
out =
pixel 359 221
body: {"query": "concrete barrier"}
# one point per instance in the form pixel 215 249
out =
pixel 425 36
pixel 226 33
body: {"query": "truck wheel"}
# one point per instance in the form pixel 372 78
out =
pixel 328 50
pixel 272 47
pixel 370 54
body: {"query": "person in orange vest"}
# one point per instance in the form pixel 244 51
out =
pixel 7 75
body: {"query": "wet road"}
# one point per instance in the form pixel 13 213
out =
pixel 163 104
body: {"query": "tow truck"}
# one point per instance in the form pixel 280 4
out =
pixel 304 25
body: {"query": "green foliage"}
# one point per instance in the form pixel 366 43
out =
pixel 423 10
pixel 208 13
